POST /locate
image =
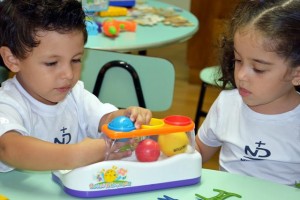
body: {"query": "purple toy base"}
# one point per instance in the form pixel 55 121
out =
pixel 119 191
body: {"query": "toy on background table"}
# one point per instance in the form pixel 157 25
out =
pixel 92 27
pixel 3 197
pixel 113 11
pixel 160 151
pixel 92 6
pixel 123 3
pixel 146 15
pixel 112 27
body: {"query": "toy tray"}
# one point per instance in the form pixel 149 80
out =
pixel 118 177
pixel 163 157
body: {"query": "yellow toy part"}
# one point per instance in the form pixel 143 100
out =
pixel 3 197
pixel 110 176
pixel 113 11
pixel 173 143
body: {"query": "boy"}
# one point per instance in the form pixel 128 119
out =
pixel 48 121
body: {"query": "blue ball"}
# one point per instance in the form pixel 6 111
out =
pixel 121 123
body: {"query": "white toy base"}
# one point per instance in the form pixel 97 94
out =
pixel 122 176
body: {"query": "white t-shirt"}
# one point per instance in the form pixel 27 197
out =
pixel 68 122
pixel 254 144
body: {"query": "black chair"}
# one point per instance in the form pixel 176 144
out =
pixel 4 74
pixel 129 80
pixel 209 77
pixel 130 70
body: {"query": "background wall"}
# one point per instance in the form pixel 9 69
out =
pixel 185 4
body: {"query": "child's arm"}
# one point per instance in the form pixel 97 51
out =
pixel 30 153
pixel 137 114
pixel 206 151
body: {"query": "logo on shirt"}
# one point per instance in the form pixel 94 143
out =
pixel 259 153
pixel 65 137
pixel 3 120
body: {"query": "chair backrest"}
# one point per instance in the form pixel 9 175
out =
pixel 156 77
pixel 4 74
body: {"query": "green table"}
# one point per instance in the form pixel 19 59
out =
pixel 146 37
pixel 18 185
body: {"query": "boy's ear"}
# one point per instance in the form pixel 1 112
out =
pixel 10 61
pixel 296 76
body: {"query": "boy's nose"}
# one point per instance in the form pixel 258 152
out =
pixel 68 72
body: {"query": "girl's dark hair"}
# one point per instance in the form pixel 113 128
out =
pixel 277 20
pixel 20 20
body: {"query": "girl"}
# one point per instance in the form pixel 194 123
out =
pixel 257 124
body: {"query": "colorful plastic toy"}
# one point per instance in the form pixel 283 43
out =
pixel 92 6
pixel 91 27
pixel 297 185
pixel 222 195
pixel 173 143
pixel 3 197
pixel 112 28
pixel 123 3
pixel 148 168
pixel 147 151
pixel 113 11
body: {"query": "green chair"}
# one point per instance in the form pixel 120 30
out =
pixel 4 74
pixel 129 80
pixel 209 77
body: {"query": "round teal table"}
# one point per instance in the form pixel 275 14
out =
pixel 18 185
pixel 146 37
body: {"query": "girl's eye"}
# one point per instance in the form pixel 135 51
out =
pixel 49 64
pixel 236 61
pixel 76 60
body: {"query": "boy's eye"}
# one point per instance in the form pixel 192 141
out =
pixel 259 71
pixel 49 64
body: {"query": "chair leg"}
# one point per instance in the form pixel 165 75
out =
pixel 199 112
pixel 142 52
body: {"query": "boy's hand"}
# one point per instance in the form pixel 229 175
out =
pixel 95 150
pixel 118 150
pixel 138 115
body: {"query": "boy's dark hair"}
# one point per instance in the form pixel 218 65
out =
pixel 277 20
pixel 20 20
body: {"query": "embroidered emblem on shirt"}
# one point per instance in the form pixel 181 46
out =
pixel 66 137
pixel 3 120
pixel 259 153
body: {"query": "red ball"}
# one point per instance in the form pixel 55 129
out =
pixel 147 151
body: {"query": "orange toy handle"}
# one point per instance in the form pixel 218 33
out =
pixel 110 28
pixel 127 26
pixel 156 127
